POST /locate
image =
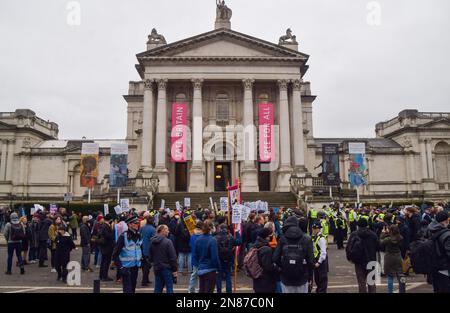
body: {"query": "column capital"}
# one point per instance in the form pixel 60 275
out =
pixel 148 83
pixel 162 84
pixel 296 84
pixel 283 84
pixel 248 83
pixel 197 82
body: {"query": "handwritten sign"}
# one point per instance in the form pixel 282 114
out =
pixel 125 205
pixel 118 210
pixel 236 216
pixel 224 204
pixel 187 202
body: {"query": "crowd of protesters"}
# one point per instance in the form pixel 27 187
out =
pixel 282 250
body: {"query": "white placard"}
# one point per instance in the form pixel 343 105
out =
pixel 106 209
pixel 163 204
pixel 119 148
pixel 32 210
pixel 245 213
pixel 187 202
pixel 236 216
pixel 178 205
pixel 224 204
pixel 118 209
pixel 89 148
pixel 125 205
pixel 356 148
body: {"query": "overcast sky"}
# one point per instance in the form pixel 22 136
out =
pixel 362 73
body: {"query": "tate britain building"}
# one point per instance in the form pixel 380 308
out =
pixel 222 106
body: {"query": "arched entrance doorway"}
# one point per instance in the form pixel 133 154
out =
pixel 442 159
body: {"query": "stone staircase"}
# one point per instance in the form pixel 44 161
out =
pixel 275 199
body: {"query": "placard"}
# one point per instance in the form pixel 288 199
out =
pixel 118 210
pixel 236 216
pixel 224 204
pixel 178 206
pixel 245 213
pixel 53 208
pixel 163 204
pixel 106 209
pixel 187 202
pixel 125 205
pixel 190 223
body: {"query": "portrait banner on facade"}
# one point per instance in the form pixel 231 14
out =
pixel 179 132
pixel 357 168
pixel 266 132
pixel 118 170
pixel 89 165
pixel 330 165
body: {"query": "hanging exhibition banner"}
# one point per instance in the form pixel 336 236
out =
pixel 330 164
pixel 89 164
pixel 357 168
pixel 179 132
pixel 266 136
pixel 118 169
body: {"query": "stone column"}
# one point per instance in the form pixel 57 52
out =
pixel 285 170
pixel 161 137
pixel 249 172
pixel 423 155
pixel 430 160
pixel 3 160
pixel 147 128
pixel 299 142
pixel 197 173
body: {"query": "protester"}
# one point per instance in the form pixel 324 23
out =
pixel 440 233
pixel 147 233
pixel 34 239
pixel 226 250
pixel 52 234
pixel 105 241
pixel 182 238
pixel 267 281
pixel 85 239
pixel 391 241
pixel 207 255
pixel 64 245
pixel 362 249
pixel 193 281
pixel 164 260
pixel 294 249
pixel 73 223
pixel 14 234
pixel 26 241
pixel 44 226
pixel 128 254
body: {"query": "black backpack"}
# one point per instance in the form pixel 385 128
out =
pixel 293 259
pixel 17 232
pixel 425 254
pixel 356 250
pixel 225 248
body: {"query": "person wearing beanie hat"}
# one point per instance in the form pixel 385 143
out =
pixel 362 248
pixel 320 272
pixel 440 233
pixel 14 234
pixel 294 272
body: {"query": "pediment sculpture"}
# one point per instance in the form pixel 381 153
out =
pixel 223 12
pixel 154 37
pixel 288 38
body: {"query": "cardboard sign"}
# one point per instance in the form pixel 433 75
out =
pixel 187 202
pixel 125 205
pixel 224 204
pixel 236 216
pixel 178 205
pixel 106 209
pixel 118 209
pixel 190 223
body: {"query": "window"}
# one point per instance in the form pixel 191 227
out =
pixel 222 108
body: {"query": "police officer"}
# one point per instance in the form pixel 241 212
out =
pixel 320 258
pixel 324 223
pixel 352 219
pixel 312 217
pixel 128 254
pixel 340 230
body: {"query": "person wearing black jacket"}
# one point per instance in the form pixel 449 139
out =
pixel 164 260
pixel 267 282
pixel 256 227
pixel 294 236
pixel 85 240
pixel 371 245
pixel 64 245
pixel 413 222
pixel 106 244
pixel 34 242
pixel 44 225
pixel 182 239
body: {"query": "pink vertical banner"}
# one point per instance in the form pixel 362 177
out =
pixel 266 123
pixel 179 132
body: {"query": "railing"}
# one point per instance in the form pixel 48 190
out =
pixel 318 182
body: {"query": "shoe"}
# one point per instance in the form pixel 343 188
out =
pixel 22 271
pixel 8 273
pixel 33 262
pixel 53 270
pixel 43 265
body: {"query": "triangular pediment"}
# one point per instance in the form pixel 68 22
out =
pixel 223 43
pixel 441 123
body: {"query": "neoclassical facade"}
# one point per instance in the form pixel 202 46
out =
pixel 223 76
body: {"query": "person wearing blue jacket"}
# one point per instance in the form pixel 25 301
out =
pixel 207 255
pixel 147 232
pixel 193 282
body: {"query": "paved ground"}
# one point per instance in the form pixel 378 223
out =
pixel 40 280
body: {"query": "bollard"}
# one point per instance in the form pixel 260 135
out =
pixel 402 285
pixel 97 286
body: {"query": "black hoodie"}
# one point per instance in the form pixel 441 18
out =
pixel 371 243
pixel 438 232
pixel 162 254
pixel 268 280
pixel 293 235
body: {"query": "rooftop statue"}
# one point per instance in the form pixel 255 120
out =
pixel 224 13
pixel 154 37
pixel 288 38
